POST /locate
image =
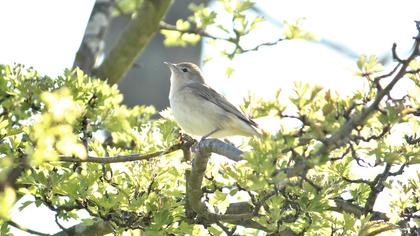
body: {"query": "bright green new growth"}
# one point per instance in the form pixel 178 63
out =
pixel 71 144
pixel 52 129
pixel 45 118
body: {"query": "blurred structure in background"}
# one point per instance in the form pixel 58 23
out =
pixel 148 80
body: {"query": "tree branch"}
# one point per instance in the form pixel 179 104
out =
pixel 340 137
pixel 12 175
pixel 127 158
pixel 98 228
pixel 133 40
pixel 195 193
pixel 378 185
pixel 358 211
pixel 221 148
pixel 93 41
pixel 203 33
pixel 30 231
pixel 237 213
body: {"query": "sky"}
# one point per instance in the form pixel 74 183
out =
pixel 46 34
pixel 359 25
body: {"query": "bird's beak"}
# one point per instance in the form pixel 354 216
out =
pixel 170 65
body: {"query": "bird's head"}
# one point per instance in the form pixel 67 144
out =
pixel 185 72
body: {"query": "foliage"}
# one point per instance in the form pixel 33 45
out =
pixel 73 115
pixel 211 24
pixel 44 120
pixel 71 144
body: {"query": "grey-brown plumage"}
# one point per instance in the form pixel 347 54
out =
pixel 207 93
pixel 200 110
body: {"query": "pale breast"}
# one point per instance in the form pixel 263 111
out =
pixel 195 115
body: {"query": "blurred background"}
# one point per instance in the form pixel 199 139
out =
pixel 46 35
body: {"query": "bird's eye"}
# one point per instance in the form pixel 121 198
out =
pixel 184 69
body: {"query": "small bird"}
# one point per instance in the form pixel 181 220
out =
pixel 201 111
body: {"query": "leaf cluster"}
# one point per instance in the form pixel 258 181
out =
pixel 305 179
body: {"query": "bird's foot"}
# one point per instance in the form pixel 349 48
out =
pixel 198 145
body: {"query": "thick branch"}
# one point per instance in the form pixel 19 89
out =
pixel 201 158
pixel 195 193
pixel 133 40
pixel 93 41
pixel 221 148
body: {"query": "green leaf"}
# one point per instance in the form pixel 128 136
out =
pixel 7 200
pixel 25 204
pixel 182 25
pixel 88 221
pixel 361 62
pixel 229 71
pixel 4 229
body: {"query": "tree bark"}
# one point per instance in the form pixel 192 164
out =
pixel 133 40
pixel 93 41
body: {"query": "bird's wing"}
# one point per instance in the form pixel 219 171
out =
pixel 207 93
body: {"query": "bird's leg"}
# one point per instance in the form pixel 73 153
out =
pixel 196 147
pixel 207 135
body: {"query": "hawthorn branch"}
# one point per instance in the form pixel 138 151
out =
pixel 413 71
pixel 341 136
pixel 237 213
pixel 358 211
pixel 221 148
pixel 357 181
pixel 233 40
pixel 127 158
pixel 23 228
pixel 263 45
pixel 195 193
pixel 377 185
pixel 201 32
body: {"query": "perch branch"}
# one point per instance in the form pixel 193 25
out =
pixel 195 193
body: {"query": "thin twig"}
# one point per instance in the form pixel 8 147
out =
pixel 235 40
pixel 125 158
pixel 201 32
pixel 30 231
pixel 64 229
pixel 341 136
